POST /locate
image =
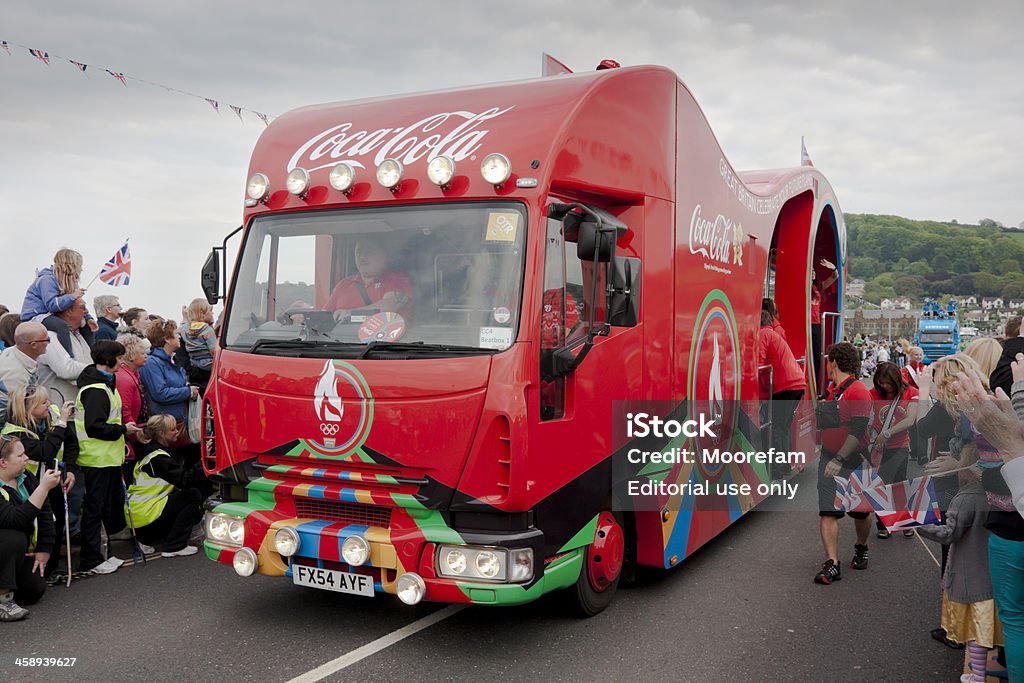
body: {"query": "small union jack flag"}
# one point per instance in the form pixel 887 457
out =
pixel 43 57
pixel 262 117
pixel 238 111
pixel 213 103
pixel 899 506
pixel 117 272
pixel 5 46
pixel 81 67
pixel 118 75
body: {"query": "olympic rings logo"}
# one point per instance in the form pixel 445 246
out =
pixel 329 429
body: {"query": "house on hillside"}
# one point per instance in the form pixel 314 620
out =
pixel 1015 304
pixel 992 303
pixel 975 315
pixel 969 301
pixel 899 304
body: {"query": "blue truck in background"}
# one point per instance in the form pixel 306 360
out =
pixel 937 337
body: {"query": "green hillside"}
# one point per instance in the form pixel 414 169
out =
pixel 916 259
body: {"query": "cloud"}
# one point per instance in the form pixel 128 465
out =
pixel 908 108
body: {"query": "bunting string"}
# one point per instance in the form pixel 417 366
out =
pixel 45 57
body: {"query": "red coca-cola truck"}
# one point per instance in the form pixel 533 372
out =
pixel 439 303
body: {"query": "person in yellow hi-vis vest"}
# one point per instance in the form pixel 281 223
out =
pixel 164 498
pixel 26 529
pixel 101 454
pixel 44 432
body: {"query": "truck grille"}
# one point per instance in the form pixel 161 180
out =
pixel 350 513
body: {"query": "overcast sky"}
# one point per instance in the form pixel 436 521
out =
pixel 908 108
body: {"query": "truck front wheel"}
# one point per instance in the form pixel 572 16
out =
pixel 602 567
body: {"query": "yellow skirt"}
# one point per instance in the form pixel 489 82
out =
pixel 975 621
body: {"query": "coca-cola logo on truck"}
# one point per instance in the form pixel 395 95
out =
pixel 456 134
pixel 717 239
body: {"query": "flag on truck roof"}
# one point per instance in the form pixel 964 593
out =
pixel 805 158
pixel 117 271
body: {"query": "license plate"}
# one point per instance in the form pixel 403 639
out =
pixel 331 580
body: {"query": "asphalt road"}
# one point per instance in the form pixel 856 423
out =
pixel 742 608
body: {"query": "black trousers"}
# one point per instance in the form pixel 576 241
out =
pixel 103 506
pixel 816 349
pixel 171 529
pixel 16 569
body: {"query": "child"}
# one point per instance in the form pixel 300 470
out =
pixel 54 290
pixel 968 607
pixel 200 340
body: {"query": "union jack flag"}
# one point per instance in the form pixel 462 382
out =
pixel 117 272
pixel 43 57
pixel 899 506
pixel 850 492
pixel 805 158
pixel 81 67
pixel 262 117
pixel 5 46
pixel 118 75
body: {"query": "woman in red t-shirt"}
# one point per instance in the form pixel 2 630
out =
pixel 890 448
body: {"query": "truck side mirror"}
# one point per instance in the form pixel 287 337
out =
pixel 624 291
pixel 595 241
pixel 211 277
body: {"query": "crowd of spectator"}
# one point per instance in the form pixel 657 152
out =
pixel 962 418
pixel 95 443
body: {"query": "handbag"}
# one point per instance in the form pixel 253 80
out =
pixel 826 413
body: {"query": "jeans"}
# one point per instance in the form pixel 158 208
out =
pixel 1006 565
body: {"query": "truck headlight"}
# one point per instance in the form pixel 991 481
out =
pixel 355 550
pixel 297 181
pixel 245 562
pixel 286 540
pixel 485 563
pixel 488 564
pixel 455 562
pixel 236 531
pixel 441 170
pixel 257 187
pixel 521 565
pixel 342 176
pixel 225 529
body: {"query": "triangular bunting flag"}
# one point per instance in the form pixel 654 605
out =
pixel 238 111
pixel 213 103
pixel 3 44
pixel 118 75
pixel 81 67
pixel 262 117
pixel 43 57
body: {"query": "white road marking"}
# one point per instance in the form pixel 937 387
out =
pixel 373 647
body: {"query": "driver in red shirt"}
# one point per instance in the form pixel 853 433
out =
pixel 374 286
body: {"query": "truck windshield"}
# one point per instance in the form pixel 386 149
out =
pixel 432 279
pixel 936 337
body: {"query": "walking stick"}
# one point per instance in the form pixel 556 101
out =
pixel 67 520
pixel 131 522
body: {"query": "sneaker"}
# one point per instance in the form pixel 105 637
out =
pixel 124 534
pixel 909 533
pixel 884 533
pixel 860 556
pixel 184 552
pixel 12 611
pixel 106 567
pixel 115 561
pixel 829 573
pixel 146 549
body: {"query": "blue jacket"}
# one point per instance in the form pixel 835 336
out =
pixel 43 296
pixel 107 330
pixel 166 385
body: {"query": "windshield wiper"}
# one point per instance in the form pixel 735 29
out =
pixel 299 344
pixel 399 350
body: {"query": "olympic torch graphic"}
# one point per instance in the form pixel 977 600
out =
pixel 328 404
